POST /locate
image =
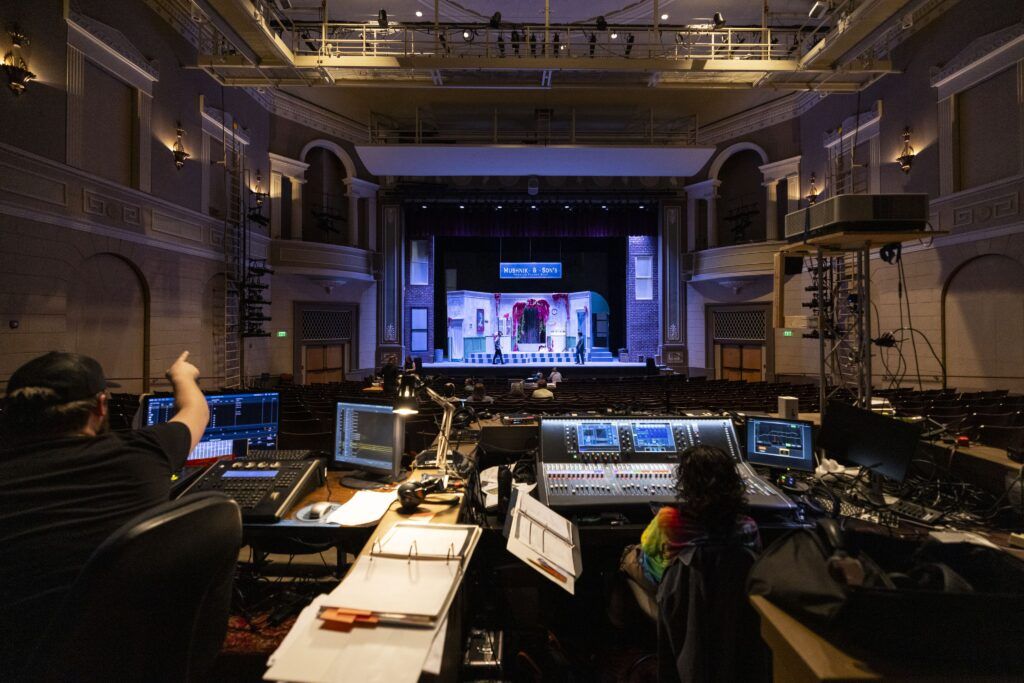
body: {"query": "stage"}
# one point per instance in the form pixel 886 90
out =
pixel 569 371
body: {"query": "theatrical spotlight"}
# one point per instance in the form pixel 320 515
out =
pixel 629 43
pixel 467 35
pixel 495 20
pixel 382 18
pixel 601 24
pixel 718 21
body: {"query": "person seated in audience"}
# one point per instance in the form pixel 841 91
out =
pixel 712 510
pixel 69 482
pixel 409 364
pixel 417 365
pixel 479 394
pixel 469 385
pixel 517 390
pixel 555 377
pixel 542 390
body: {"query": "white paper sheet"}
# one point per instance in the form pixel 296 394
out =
pixel 432 540
pixel 432 665
pixel 366 507
pixel 387 585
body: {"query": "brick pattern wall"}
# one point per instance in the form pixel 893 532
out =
pixel 417 296
pixel 642 317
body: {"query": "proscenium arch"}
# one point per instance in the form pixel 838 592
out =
pixel 942 303
pixel 336 150
pixel 723 156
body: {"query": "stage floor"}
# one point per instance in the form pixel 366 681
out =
pixel 457 365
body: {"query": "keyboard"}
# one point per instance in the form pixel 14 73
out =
pixel 298 454
pixel 914 512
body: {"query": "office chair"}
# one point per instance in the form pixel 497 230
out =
pixel 152 602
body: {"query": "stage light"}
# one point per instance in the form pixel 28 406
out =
pixel 462 206
pixel 467 35
pixel 423 206
pixel 566 206
pixel 641 206
pixel 382 18
pixel 614 36
pixel 419 13
pixel 180 155
pixel 499 207
pixel 601 24
pixel 718 21
pixel 604 206
pixel 495 20
pixel 664 17
pixel 533 206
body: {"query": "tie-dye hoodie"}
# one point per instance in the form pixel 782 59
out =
pixel 673 529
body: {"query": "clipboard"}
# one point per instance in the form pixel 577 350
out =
pixel 546 541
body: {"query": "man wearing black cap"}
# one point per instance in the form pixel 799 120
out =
pixel 68 482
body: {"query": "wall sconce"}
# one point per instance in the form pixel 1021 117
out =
pixel 18 75
pixel 906 159
pixel 258 194
pixel 812 195
pixel 179 150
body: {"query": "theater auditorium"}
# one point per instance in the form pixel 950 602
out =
pixel 511 340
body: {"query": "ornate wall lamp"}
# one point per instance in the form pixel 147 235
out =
pixel 812 194
pixel 258 194
pixel 906 158
pixel 14 66
pixel 179 150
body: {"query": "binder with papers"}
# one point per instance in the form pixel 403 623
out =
pixel 410 575
pixel 545 540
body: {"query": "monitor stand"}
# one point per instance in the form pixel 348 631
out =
pixel 361 479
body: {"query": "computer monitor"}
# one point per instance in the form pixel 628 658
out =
pixel 369 437
pixel 784 444
pixel 883 444
pixel 237 422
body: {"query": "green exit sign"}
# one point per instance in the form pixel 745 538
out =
pixel 785 333
pixel 282 333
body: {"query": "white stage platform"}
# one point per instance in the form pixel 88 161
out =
pixel 563 367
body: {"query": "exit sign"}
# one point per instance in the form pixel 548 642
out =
pixel 282 333
pixel 787 333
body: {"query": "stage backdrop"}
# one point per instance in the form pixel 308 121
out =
pixel 595 264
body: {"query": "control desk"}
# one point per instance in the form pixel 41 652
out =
pixel 604 462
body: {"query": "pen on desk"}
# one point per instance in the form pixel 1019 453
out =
pixel 544 566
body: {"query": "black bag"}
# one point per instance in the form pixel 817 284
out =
pixel 956 603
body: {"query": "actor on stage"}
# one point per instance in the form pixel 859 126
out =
pixel 581 350
pixel 497 349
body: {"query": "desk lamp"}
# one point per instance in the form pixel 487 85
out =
pixel 406 404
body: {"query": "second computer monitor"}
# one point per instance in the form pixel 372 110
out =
pixel 780 443
pixel 369 437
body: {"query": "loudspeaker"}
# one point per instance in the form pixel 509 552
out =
pixel 789 407
pixel 794 265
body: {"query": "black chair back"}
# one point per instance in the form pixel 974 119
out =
pixel 152 602
pixel 707 629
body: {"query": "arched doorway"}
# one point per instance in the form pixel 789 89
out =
pixel 983 323
pixel 108 313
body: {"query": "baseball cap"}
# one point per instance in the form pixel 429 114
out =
pixel 72 376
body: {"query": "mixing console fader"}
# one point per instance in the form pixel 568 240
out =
pixel 604 462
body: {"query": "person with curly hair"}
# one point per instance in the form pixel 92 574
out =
pixel 711 509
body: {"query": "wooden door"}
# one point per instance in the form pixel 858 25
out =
pixel 741 362
pixel 323 363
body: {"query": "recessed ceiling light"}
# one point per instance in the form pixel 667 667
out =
pixel 604 206
pixel 567 206
pixel 419 13
pixel 423 206
pixel 664 17
pixel 533 206
pixel 463 206
pixel 641 206
pixel 499 206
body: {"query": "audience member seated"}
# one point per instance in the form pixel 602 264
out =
pixel 517 390
pixel 542 390
pixel 713 513
pixel 555 377
pixel 469 386
pixel 479 395
pixel 69 482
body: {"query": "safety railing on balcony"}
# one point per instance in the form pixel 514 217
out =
pixel 533 41
pixel 539 127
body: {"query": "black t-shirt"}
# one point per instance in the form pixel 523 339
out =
pixel 59 500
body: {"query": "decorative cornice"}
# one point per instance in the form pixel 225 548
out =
pixel 218 124
pixel 358 187
pixel 778 170
pixel 178 13
pixel 291 168
pixel 764 116
pixel 977 50
pixel 862 125
pixel 97 40
pixel 302 112
pixel 706 189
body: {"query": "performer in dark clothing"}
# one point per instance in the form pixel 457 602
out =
pixel 498 356
pixel 581 350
